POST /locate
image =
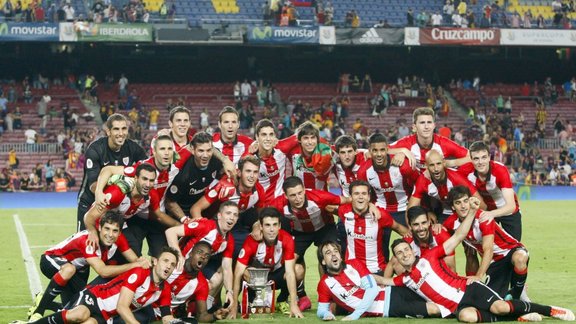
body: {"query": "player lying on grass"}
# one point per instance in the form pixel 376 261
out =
pixel 67 264
pixel 122 295
pixel 470 301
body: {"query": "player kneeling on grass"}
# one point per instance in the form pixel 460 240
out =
pixel 274 250
pixel 351 286
pixel 469 300
pixel 67 264
pixel 132 290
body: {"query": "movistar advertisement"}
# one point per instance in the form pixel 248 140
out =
pixel 90 32
pixel 22 32
pixel 283 35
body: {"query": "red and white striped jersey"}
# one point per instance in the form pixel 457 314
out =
pixel 139 281
pixel 435 240
pixel 433 280
pixel 448 148
pixel 345 289
pixel 503 242
pixel 345 176
pixel 235 150
pixel 177 147
pixel 225 190
pixel 184 287
pixel 313 216
pixel 75 250
pixel 267 256
pixel 392 186
pixel 206 230
pixel 273 170
pixel 498 178
pixel 364 237
pixel 164 178
pixel 127 206
pixel 425 187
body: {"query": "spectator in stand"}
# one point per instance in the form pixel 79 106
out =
pixel 447 12
pixel 13 161
pixel 367 83
pixel 410 18
pixel 515 20
pixel 245 90
pixel 122 86
pixel 540 23
pixel 69 12
pixel 527 20
pixel 8 10
pixel 24 182
pixel 355 20
pixel 436 19
pixel 153 118
pixel 4 181
pixel 49 174
pixel 508 106
pixel 36 184
pixel 16 119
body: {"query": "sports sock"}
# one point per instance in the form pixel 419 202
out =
pixel 519 308
pixel 517 282
pixel 300 290
pixel 54 289
pixel 56 318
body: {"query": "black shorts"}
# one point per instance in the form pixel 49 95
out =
pixel 51 265
pixel 499 273
pixel 406 303
pixel 512 224
pixel 303 240
pixel 138 229
pixel 86 298
pixel 278 278
pixel 479 296
pixel 83 208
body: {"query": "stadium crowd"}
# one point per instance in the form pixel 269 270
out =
pixel 212 205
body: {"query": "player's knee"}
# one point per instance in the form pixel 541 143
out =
pixel 468 315
pixel 78 314
pixel 67 271
pixel 520 259
pixel 500 307
pixel 300 272
pixel 246 276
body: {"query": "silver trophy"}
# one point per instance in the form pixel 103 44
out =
pixel 263 301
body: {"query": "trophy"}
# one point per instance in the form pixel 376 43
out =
pixel 258 295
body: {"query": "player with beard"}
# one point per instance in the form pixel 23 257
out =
pixel 276 252
pixel 132 290
pixel 352 287
pixel 195 177
pixel 147 227
pixel 217 233
pixel 437 183
pixel 392 184
pixel 470 301
pixel 67 263
pixel 190 289
pixel 113 149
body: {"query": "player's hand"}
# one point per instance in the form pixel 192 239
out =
pixel 407 235
pixel 257 232
pixel 101 200
pixel 295 311
pixel 221 313
pixel 229 299
pixel 253 148
pixel 436 228
pixel 164 132
pixel 230 170
pixel 93 239
pixel 474 203
pixel 397 160
pixel 232 311
pixel 374 211
pixel 486 216
pixel 329 317
pixel 471 279
pixel 143 262
pixel 186 220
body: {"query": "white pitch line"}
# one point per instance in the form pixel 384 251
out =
pixel 40 224
pixel 16 306
pixel 40 246
pixel 33 277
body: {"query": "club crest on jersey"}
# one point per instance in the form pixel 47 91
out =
pixel 89 164
pixel 192 224
pixel 89 249
pixel 173 189
pixel 132 278
pixel 126 160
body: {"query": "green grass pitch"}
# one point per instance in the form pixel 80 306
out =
pixel 549 228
